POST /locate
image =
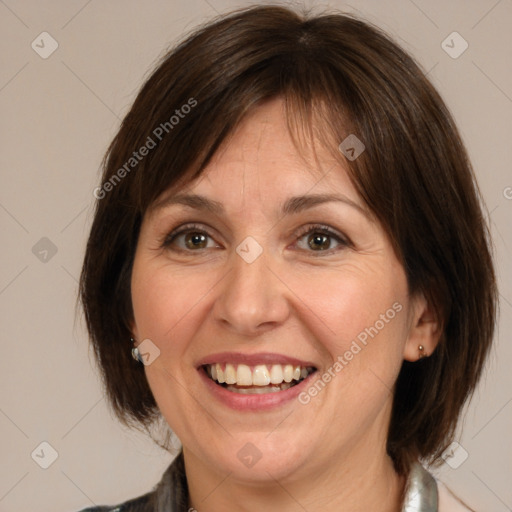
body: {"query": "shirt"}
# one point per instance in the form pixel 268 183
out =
pixel 423 493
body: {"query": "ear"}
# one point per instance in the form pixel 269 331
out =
pixel 425 330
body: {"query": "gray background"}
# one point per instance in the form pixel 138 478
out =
pixel 58 116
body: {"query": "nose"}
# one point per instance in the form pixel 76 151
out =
pixel 252 298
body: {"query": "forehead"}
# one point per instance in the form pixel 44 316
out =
pixel 260 161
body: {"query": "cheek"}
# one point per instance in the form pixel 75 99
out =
pixel 354 302
pixel 359 318
pixel 165 301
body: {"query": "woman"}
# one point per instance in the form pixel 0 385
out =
pixel 288 239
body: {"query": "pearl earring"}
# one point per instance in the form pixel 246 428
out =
pixel 135 352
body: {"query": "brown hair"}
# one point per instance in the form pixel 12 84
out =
pixel 414 176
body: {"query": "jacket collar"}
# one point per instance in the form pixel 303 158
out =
pixel 420 491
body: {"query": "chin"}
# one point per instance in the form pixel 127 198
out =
pixel 260 457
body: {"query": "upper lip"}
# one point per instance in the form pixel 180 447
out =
pixel 253 359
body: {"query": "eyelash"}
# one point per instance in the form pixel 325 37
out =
pixel 306 230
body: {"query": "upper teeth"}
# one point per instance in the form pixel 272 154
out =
pixel 259 375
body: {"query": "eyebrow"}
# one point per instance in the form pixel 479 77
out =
pixel 292 205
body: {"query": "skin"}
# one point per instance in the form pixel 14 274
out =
pixel 294 299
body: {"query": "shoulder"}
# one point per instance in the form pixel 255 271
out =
pixel 448 501
pixel 138 504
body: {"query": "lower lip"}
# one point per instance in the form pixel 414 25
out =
pixel 256 402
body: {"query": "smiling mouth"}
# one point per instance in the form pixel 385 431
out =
pixel 258 379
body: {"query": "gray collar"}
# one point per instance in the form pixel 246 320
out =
pixel 421 491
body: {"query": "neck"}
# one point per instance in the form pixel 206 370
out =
pixel 355 483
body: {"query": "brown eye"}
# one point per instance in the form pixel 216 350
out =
pixel 189 238
pixel 319 238
pixel 194 240
pixel 319 241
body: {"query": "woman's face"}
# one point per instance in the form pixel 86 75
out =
pixel 265 268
